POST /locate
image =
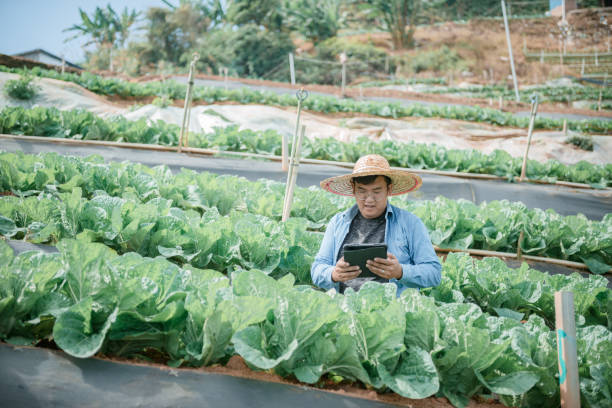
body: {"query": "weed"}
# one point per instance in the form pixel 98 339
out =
pixel 584 142
pixel 23 88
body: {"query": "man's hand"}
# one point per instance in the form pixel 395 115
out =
pixel 389 268
pixel 343 271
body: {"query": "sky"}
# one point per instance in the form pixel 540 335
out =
pixel 29 24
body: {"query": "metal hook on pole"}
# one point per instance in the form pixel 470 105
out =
pixel 534 112
pixel 183 138
pixel 301 95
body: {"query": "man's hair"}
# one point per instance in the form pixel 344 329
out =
pixel 369 179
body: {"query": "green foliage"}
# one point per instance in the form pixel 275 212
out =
pixel 105 28
pixel 162 102
pixel 248 51
pixel 584 142
pixel 520 293
pixel 173 34
pixel 85 125
pixel 545 92
pixel 397 15
pixel 402 81
pixel 439 60
pixel 260 13
pixel 362 60
pixel 23 88
pixel 90 300
pixel 255 52
pixel 325 104
pixel 127 220
pixel 315 20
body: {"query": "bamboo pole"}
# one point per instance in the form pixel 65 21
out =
pixel 291 68
pixel 567 356
pixel 292 179
pixel 343 59
pixel 187 107
pixel 601 92
pixel 212 152
pixel 516 92
pixel 301 95
pixel 534 112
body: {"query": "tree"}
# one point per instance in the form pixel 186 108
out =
pixel 397 15
pixel 174 32
pixel 123 24
pixel 265 13
pixel 105 28
pixel 317 20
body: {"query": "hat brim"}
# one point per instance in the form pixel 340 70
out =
pixel 403 182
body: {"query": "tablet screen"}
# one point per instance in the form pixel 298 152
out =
pixel 358 254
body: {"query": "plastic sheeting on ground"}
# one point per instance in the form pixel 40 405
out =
pixel 451 134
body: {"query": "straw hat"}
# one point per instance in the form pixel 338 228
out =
pixel 373 164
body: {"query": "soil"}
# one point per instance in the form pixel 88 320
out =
pixel 236 367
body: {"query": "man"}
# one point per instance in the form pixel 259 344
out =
pixel 411 260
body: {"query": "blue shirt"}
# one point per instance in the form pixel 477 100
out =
pixel 406 237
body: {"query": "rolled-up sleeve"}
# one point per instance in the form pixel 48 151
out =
pixel 426 270
pixel 323 265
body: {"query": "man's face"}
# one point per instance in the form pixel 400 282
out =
pixel 372 198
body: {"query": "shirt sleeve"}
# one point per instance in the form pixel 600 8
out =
pixel 426 271
pixel 324 262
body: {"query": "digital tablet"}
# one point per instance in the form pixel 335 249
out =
pixel 358 254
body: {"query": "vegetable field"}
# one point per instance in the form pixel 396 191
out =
pixel 90 299
pixel 318 103
pixel 198 268
pixel 56 197
pixel 193 268
pixel 82 125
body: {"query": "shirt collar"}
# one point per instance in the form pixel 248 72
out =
pixel 352 212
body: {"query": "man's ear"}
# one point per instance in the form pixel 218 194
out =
pixel 389 189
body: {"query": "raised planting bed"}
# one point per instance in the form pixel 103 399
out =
pixel 92 302
pixel 39 377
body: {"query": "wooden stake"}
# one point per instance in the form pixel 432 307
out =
pixel 501 102
pixel 566 342
pixel 187 107
pixel 534 111
pixel 601 92
pixel 301 96
pixel 565 127
pixel 343 59
pixel 516 92
pixel 291 68
pixel 292 176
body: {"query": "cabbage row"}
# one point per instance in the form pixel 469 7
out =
pixel 79 124
pixel 108 198
pixel 318 103
pixel 546 92
pixel 90 300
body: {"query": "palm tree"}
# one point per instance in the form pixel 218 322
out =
pixel 105 28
